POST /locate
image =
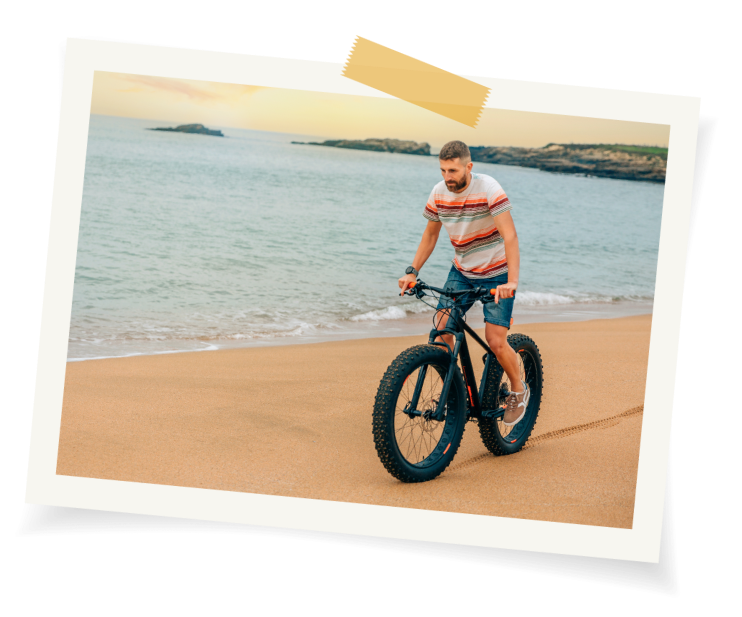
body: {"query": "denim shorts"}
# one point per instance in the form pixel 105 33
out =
pixel 498 314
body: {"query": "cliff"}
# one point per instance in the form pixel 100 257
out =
pixel 377 145
pixel 601 160
pixel 191 128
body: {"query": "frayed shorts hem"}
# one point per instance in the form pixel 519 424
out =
pixel 504 324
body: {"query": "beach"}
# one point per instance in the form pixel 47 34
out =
pixel 295 420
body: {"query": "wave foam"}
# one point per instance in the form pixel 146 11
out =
pixel 418 307
pixel 534 298
pixel 390 312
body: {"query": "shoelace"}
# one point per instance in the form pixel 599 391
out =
pixel 512 400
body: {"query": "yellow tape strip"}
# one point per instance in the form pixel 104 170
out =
pixel 416 82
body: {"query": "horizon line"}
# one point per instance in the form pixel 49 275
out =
pixel 240 128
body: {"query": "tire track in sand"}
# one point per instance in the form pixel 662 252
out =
pixel 562 432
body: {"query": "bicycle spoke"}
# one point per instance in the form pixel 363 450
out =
pixel 418 436
pixel 412 443
pixel 529 371
pixel 415 450
pixel 407 438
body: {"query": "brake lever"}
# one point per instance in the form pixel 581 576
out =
pixel 416 289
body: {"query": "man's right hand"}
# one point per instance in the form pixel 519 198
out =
pixel 406 281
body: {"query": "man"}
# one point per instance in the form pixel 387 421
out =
pixel 476 213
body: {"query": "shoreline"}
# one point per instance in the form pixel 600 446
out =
pixel 412 325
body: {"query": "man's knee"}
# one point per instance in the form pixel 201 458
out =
pixel 497 340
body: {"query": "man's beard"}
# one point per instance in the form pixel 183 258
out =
pixel 458 186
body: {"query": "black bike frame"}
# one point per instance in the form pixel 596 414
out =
pixel 457 327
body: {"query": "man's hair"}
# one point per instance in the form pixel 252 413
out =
pixel 455 150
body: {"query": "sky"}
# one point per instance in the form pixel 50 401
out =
pixel 342 116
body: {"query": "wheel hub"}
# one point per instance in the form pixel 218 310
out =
pixel 430 413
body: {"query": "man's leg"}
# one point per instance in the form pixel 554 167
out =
pixel 456 282
pixel 441 320
pixel 497 339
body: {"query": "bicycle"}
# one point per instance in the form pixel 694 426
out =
pixel 424 399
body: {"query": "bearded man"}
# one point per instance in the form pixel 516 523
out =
pixel 476 213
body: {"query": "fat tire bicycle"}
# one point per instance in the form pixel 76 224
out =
pixel 425 399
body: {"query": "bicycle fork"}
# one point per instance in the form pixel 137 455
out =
pixel 440 412
pixel 474 404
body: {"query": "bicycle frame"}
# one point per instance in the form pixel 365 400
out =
pixel 457 327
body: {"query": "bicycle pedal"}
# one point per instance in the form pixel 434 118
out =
pixel 493 414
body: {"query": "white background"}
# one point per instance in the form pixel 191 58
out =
pixel 82 56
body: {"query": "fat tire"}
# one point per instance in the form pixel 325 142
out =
pixel 384 412
pixel 488 428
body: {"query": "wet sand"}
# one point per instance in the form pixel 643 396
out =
pixel 296 421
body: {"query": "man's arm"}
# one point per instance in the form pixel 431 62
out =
pixel 506 227
pixel 427 244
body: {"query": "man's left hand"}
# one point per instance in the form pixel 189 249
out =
pixel 505 291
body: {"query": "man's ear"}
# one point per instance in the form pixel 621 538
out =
pixel 469 165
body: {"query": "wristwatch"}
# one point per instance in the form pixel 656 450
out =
pixel 411 270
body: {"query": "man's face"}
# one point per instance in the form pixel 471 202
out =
pixel 455 174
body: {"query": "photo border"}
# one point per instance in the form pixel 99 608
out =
pixel 641 543
pixel 660 578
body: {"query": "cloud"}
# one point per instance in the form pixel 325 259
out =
pixel 199 92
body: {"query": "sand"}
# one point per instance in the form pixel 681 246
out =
pixel 296 421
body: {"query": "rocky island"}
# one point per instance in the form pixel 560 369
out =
pixel 377 145
pixel 601 160
pixel 200 129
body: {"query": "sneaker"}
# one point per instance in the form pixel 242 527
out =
pixel 517 401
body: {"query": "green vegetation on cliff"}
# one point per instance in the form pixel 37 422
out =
pixel 622 162
pixel 639 150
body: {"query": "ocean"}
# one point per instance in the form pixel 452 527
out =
pixel 191 242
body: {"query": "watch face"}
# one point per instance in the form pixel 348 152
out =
pixel 409 270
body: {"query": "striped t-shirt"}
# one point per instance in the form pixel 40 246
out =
pixel 468 219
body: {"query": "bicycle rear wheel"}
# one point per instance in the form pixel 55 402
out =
pixel 498 438
pixel 411 444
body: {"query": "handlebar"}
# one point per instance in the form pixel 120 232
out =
pixel 418 288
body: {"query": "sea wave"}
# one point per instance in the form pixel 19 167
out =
pixel 390 312
pixel 225 330
pixel 540 298
pixel 536 298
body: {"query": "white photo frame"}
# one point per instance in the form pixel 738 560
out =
pixel 641 543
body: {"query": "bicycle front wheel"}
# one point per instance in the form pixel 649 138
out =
pixel 413 445
pixel 498 438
